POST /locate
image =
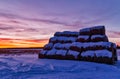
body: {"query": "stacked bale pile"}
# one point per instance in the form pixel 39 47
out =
pixel 93 45
pixel 59 45
pixel 90 44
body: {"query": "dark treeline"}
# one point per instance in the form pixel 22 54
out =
pixel 20 50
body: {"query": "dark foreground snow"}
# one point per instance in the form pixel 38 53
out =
pixel 29 67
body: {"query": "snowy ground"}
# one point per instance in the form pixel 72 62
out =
pixel 30 67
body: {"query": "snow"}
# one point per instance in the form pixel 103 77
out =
pixel 61 52
pixel 85 30
pixel 98 53
pixel 63 38
pixel 98 36
pixel 57 45
pixel 66 33
pixel 67 45
pixel 74 53
pixel 103 53
pixel 30 67
pixel 62 46
pixel 86 37
pixel 73 39
pixel 77 44
pixel 88 53
pixel 70 33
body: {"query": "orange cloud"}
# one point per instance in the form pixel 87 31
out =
pixel 115 40
pixel 20 43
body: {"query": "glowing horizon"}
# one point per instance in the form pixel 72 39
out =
pixel 30 23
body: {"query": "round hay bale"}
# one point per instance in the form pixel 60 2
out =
pixel 61 54
pixel 42 54
pixel 108 60
pixel 85 31
pixel 51 53
pixel 64 46
pixel 70 34
pixel 114 51
pixel 58 34
pixel 53 40
pixel 48 46
pixel 84 38
pixel 74 54
pixel 97 30
pixel 67 34
pixel 88 53
pixel 98 38
pixel 75 48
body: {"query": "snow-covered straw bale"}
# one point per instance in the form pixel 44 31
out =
pixel 48 46
pixel 61 52
pixel 85 31
pixel 88 53
pixel 98 38
pixel 97 53
pixel 63 39
pixel 66 39
pixel 42 53
pixel 76 46
pixel 53 40
pixel 114 51
pixel 97 30
pixel 73 53
pixel 51 52
pixel 67 34
pixel 58 34
pixel 103 53
pixel 65 46
pixel 83 38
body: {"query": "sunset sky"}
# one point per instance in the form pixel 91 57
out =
pixel 30 23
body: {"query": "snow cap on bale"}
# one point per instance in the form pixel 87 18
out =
pixel 67 34
pixel 83 38
pixel 62 46
pixel 96 30
pixel 51 52
pixel 62 39
pixel 73 53
pixel 98 38
pixel 61 52
pixel 76 46
pixel 103 53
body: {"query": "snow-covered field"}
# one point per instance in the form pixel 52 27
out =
pixel 30 67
